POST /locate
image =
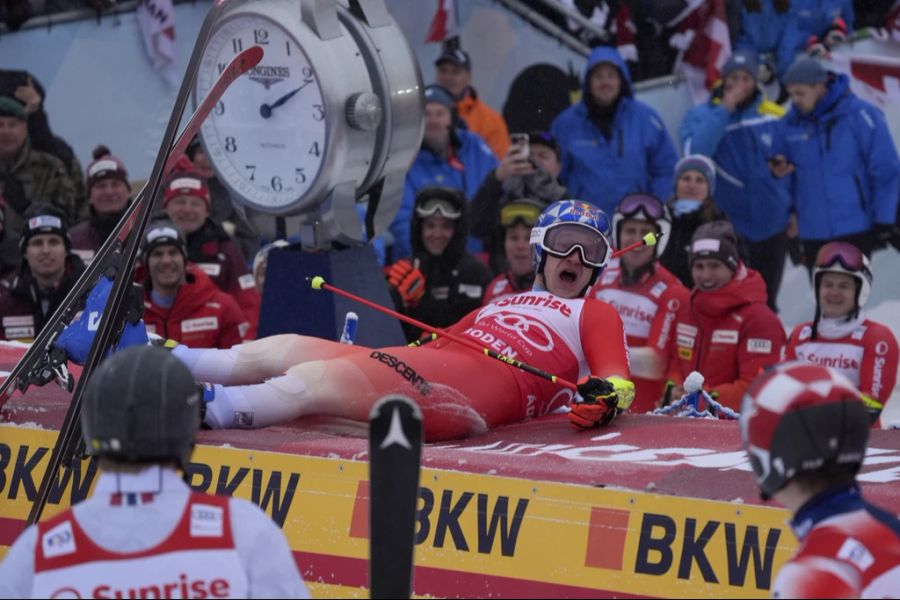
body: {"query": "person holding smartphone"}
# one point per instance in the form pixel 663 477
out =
pixel 530 172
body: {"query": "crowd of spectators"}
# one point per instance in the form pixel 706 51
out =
pixel 748 178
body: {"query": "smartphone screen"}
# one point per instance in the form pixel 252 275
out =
pixel 520 140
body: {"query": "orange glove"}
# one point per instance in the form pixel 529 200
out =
pixel 408 281
pixel 597 405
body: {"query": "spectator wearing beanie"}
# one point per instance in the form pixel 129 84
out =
pixel 835 152
pixel 454 72
pixel 109 193
pixel 691 206
pixel 735 128
pixel 180 302
pixel 223 210
pixel 46 274
pixel 28 176
pixel 534 178
pixel 612 144
pixel 186 202
pixel 727 333
pixel 450 156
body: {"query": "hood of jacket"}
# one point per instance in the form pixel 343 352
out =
pixel 835 102
pixel 457 246
pixel 606 54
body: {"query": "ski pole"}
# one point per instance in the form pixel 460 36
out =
pixel 318 283
pixel 648 240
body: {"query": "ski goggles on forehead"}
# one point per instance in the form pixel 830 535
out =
pixel 635 203
pixel 518 211
pixel 846 254
pixel 562 239
pixel 438 207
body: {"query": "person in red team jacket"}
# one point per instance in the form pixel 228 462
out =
pixel 180 300
pixel 552 327
pixel 727 333
pixel 805 429
pixel 840 336
pixel 644 293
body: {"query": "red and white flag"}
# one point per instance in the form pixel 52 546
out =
pixel 873 78
pixel 706 45
pixel 443 25
pixel 156 19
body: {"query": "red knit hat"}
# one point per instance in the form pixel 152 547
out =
pixel 186 184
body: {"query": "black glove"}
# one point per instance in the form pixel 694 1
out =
pixel 598 405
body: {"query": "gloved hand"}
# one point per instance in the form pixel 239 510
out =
pixel 597 405
pixel 408 281
pixel 816 48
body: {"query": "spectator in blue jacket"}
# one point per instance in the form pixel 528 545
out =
pixel 829 21
pixel 450 157
pixel 770 27
pixel 843 168
pixel 736 128
pixel 612 144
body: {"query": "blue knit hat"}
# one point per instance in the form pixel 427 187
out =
pixel 742 60
pixel 701 164
pixel 807 70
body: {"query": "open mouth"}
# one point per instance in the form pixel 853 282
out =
pixel 568 275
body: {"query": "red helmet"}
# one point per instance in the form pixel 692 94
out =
pixel 800 417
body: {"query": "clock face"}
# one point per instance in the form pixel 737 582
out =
pixel 267 136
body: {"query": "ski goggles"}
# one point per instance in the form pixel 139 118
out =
pixel 561 239
pixel 440 207
pixel 519 211
pixel 848 255
pixel 633 204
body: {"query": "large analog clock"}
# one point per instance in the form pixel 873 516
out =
pixel 268 134
pixel 331 116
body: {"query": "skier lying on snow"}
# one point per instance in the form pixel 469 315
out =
pixel 553 328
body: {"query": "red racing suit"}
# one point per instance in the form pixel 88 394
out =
pixel 729 335
pixel 202 316
pixel 863 350
pixel 648 308
pixel 505 285
pixel 848 549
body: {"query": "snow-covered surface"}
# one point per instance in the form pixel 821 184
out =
pixel 796 304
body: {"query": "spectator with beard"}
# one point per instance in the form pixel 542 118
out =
pixel 186 202
pixel 109 193
pixel 612 144
pixel 450 157
pixel 736 128
pixel 442 282
pixel 47 272
pixel 454 72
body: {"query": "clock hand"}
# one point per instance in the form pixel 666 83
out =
pixel 266 109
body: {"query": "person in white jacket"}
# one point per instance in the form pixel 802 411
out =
pixel 144 533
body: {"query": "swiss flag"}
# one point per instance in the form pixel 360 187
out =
pixel 704 40
pixel 443 25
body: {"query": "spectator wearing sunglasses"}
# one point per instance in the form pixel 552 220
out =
pixel 441 282
pixel 840 336
pixel 532 174
pixel 727 333
pixel 516 220
pixel 644 293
